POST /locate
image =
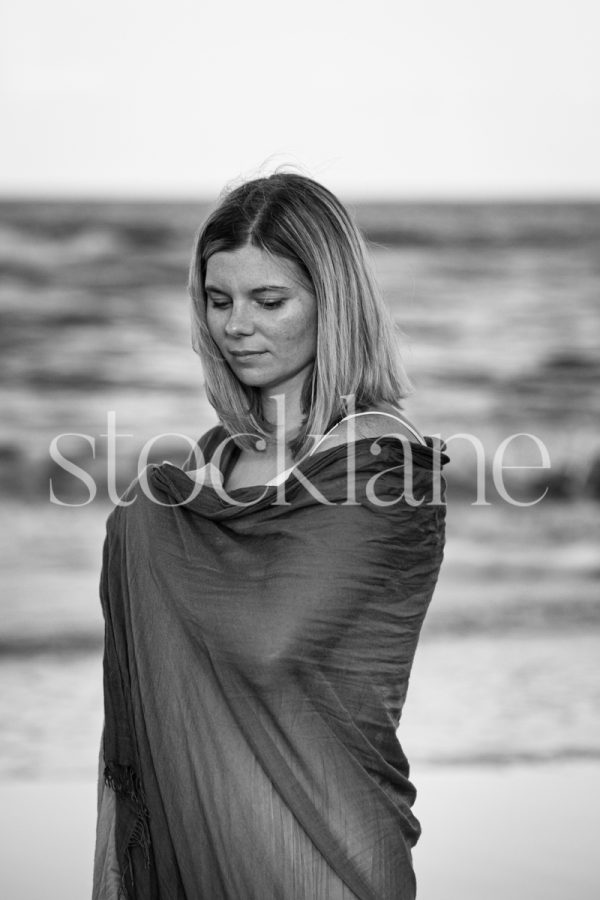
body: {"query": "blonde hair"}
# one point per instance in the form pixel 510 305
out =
pixel 293 217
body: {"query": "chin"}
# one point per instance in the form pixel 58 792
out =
pixel 250 379
pixel 250 382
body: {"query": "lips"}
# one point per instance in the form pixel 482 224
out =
pixel 245 353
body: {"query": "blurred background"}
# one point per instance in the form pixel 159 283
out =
pixel 465 141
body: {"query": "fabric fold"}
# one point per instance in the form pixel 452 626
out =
pixel 257 659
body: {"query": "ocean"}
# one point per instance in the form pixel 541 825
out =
pixel 498 305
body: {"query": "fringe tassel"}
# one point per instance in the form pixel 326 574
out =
pixel 124 781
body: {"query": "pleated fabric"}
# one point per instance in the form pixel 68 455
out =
pixel 258 650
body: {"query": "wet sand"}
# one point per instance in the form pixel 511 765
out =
pixel 515 833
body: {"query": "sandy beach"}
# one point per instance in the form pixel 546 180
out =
pixel 515 833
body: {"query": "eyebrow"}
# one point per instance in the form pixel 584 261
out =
pixel 259 290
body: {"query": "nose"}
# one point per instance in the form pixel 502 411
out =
pixel 239 322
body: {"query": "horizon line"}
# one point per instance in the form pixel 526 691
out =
pixel 193 198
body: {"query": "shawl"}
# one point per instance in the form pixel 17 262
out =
pixel 258 649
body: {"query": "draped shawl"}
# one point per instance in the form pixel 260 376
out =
pixel 258 649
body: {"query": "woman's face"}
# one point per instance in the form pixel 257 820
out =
pixel 262 318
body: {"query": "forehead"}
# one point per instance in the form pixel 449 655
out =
pixel 250 267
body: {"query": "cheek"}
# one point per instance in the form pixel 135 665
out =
pixel 213 325
pixel 297 341
pixel 298 333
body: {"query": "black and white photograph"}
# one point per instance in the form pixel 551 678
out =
pixel 300 451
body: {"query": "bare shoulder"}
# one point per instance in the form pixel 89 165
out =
pixel 378 422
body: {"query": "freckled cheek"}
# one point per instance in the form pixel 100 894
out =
pixel 296 334
pixel 216 328
pixel 288 336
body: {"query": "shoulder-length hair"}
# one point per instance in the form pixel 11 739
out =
pixel 295 218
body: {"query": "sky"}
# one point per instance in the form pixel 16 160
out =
pixel 439 98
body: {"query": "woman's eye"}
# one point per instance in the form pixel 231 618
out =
pixel 218 304
pixel 271 304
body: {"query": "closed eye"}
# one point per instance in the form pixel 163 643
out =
pixel 264 304
pixel 271 304
pixel 219 304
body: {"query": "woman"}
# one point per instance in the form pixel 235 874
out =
pixel 263 603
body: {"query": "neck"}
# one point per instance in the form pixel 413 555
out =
pixel 282 409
